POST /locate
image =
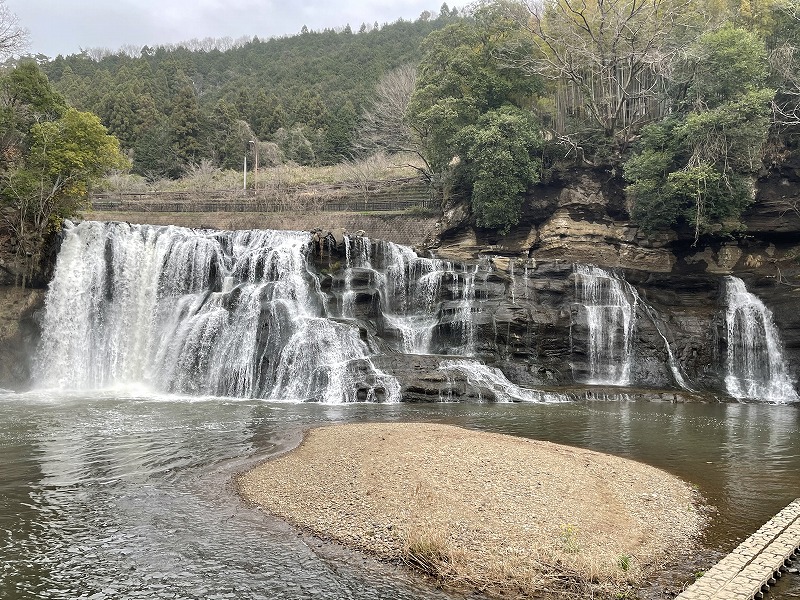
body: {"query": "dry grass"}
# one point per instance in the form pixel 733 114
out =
pixel 205 178
pixel 378 167
pixel 435 549
pixel 497 513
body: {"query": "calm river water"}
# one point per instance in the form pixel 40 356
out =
pixel 129 497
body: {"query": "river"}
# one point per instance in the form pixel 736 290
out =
pixel 129 495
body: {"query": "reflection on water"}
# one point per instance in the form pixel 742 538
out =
pixel 130 498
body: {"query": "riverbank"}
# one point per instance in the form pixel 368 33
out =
pixel 486 511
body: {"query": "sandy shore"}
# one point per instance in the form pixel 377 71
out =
pixel 489 511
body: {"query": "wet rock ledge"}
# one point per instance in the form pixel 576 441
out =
pixel 484 511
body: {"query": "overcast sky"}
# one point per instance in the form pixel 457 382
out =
pixel 66 26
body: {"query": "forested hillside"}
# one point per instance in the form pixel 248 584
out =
pixel 683 104
pixel 172 107
pixel 685 99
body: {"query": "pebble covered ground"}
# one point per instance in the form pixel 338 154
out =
pixel 482 510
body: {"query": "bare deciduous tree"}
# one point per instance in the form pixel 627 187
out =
pixel 363 173
pixel 384 126
pixel 608 57
pixel 784 63
pixel 131 50
pixel 13 37
pixel 97 54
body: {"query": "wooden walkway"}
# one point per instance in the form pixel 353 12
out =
pixel 755 564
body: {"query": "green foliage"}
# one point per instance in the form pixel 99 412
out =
pixel 297 144
pixel 65 156
pixel 724 64
pixel 186 127
pixel 150 158
pixel 460 79
pixel 597 77
pixel 26 98
pixel 469 104
pixel 501 157
pixel 51 156
pixel 28 86
pixel 317 83
pixel 624 562
pixel 568 537
pixel 695 167
pixel 75 148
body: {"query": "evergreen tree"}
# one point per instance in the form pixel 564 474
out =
pixel 186 127
pixel 51 153
pixel 473 117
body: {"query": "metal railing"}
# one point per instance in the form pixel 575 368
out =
pixel 373 197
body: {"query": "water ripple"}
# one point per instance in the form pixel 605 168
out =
pixel 119 497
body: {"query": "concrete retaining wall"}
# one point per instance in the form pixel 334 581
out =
pixel 401 229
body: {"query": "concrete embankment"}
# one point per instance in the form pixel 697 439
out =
pixel 755 564
pixel 398 228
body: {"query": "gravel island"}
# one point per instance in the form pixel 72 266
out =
pixel 492 512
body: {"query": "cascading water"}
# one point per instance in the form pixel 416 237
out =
pixel 517 282
pixel 493 381
pixel 258 314
pixel 420 295
pixel 660 329
pixel 755 364
pixel 610 312
pixel 357 256
pixel 199 312
pixel 409 287
pixel 463 314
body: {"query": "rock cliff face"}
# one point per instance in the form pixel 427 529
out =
pixel 538 336
pixel 19 310
pixel 574 295
pixel 19 333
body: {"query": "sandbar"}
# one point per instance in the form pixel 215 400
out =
pixel 493 512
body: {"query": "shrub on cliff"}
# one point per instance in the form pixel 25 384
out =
pixel 50 156
pixel 473 116
pixel 696 166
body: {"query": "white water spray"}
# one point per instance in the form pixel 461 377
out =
pixel 610 313
pixel 199 312
pixel 755 365
pixel 491 379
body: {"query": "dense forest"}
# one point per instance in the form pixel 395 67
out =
pixel 174 106
pixel 684 102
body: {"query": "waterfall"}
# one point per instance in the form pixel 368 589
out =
pixel 660 329
pixel 491 380
pixel 525 280
pixel 257 314
pixel 513 286
pixel 609 310
pixel 420 295
pixel 463 315
pixel 199 312
pixel 357 256
pixel 755 365
pixel 409 287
